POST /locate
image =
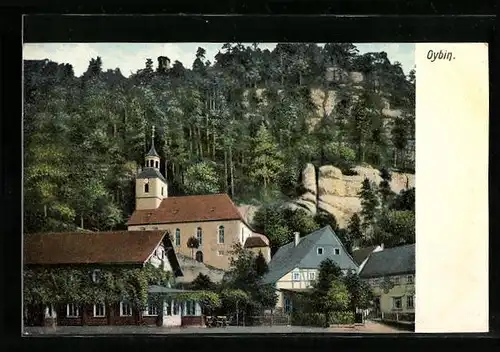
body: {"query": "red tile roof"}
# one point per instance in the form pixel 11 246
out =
pixel 255 242
pixel 174 210
pixel 120 247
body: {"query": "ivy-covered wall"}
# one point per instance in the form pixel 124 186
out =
pixel 87 284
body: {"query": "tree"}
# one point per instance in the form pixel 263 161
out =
pixel 329 271
pixel 201 178
pixel 354 229
pixel 323 218
pixel 369 206
pixel 384 189
pixel 266 163
pixel 261 266
pixel 202 282
pixel 405 200
pixel 193 243
pixel 360 293
pixel 336 300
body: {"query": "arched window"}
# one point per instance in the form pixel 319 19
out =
pixel 146 188
pixel 177 237
pixel 199 235
pixel 156 164
pixel 199 256
pixel 221 234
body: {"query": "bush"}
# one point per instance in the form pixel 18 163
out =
pixel 308 319
pixel 318 319
pixel 342 318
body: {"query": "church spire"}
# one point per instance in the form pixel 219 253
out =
pixel 152 151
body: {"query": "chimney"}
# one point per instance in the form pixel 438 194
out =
pixel 297 238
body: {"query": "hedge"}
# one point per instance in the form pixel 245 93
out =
pixel 318 319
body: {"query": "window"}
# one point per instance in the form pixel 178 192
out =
pixel 199 256
pixel 125 309
pixel 162 191
pixel 395 280
pixel 221 234
pixel 190 308
pixel 199 235
pixel 96 276
pixel 409 302
pixel 242 237
pixel 220 253
pixel 152 309
pixel 177 237
pixel 156 164
pixel 336 251
pixel 296 276
pixel 312 276
pixel 409 279
pixel 175 308
pixel 319 250
pixel 287 305
pixel 72 311
pixel 99 310
pixel 396 303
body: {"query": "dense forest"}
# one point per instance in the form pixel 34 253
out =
pixel 241 125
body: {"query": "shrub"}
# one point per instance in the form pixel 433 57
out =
pixel 318 319
pixel 342 318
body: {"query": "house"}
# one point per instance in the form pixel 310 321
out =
pixel 94 256
pixel 295 265
pixel 360 255
pixel 391 274
pixel 213 219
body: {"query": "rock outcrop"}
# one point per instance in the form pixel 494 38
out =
pixel 330 191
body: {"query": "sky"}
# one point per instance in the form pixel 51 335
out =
pixel 130 57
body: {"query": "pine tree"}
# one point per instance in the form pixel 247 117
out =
pixel 369 207
pixel 261 266
pixel 266 164
pixel 386 194
pixel 354 229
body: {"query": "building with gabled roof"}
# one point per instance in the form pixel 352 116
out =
pixel 391 274
pixel 213 219
pixel 99 254
pixel 296 265
pixel 360 255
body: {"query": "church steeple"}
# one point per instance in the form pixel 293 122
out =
pixel 152 158
pixel 150 185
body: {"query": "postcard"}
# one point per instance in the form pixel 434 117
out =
pixel 255 187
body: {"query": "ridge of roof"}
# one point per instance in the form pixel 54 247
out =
pixel 390 261
pixel 290 256
pixel 128 247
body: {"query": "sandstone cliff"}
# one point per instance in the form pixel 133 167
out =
pixel 327 189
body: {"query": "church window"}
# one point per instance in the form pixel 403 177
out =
pixel 221 234
pixel 146 188
pixel 177 237
pixel 199 235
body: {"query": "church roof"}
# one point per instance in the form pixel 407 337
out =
pixel 152 151
pixel 150 172
pixel 173 210
pixel 114 247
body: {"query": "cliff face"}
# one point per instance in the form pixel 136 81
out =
pixel 327 189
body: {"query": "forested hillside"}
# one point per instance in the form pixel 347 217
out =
pixel 246 124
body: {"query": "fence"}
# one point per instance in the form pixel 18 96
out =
pixel 393 317
pixel 271 319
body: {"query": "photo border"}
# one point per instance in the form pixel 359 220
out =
pixel 222 28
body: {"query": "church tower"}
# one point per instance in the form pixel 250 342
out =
pixel 150 185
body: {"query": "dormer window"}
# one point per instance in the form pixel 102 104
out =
pixel 336 251
pixel 319 250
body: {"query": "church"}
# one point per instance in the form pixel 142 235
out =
pixel 214 220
